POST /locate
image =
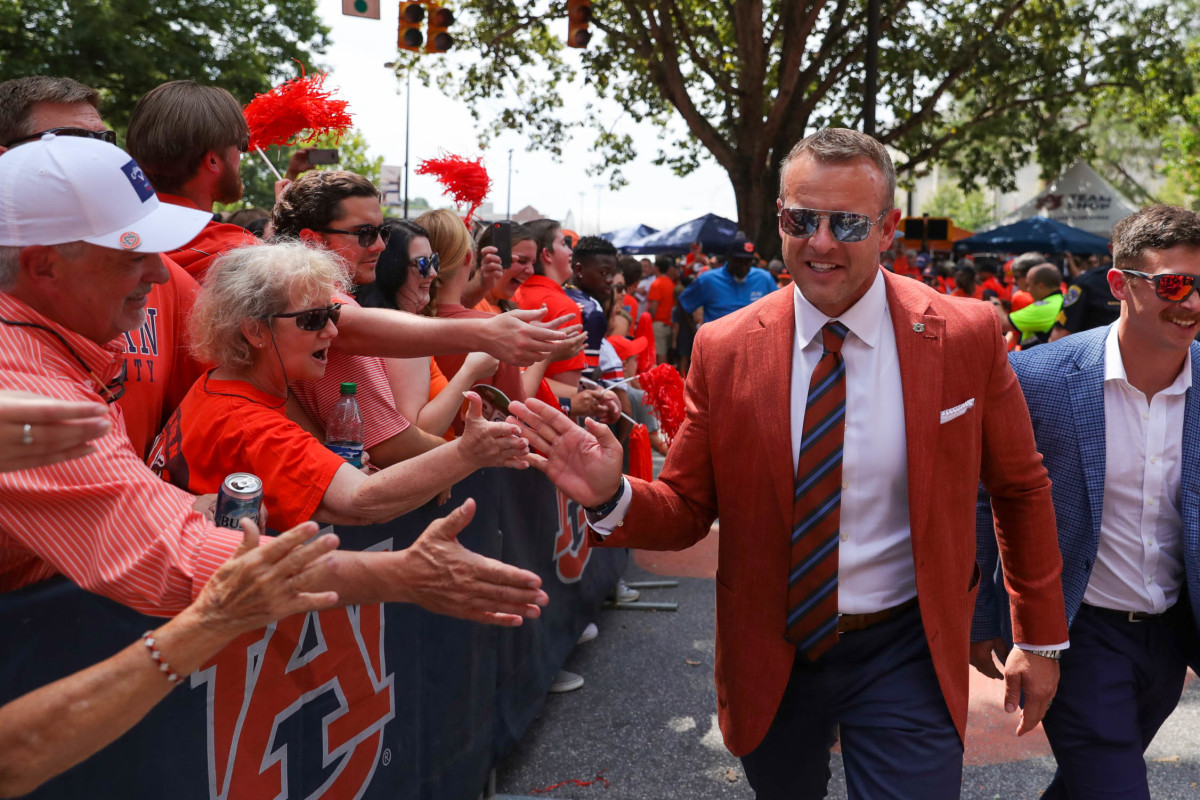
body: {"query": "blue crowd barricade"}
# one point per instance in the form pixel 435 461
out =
pixel 365 702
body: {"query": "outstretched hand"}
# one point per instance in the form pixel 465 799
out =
pixel 259 583
pixel 584 463
pixel 442 576
pixel 491 444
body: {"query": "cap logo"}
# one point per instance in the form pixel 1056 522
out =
pixel 138 180
pixel 130 240
pixel 748 247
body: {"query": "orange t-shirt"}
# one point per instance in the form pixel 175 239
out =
pixel 977 293
pixel 540 291
pixel 229 426
pixel 216 239
pixel 662 291
pixel 507 378
pixel 159 367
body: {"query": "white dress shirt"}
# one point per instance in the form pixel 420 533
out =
pixel 875 559
pixel 1139 566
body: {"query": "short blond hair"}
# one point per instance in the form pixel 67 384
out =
pixel 254 282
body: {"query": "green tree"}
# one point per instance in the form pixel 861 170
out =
pixel 124 48
pixel 969 210
pixel 259 181
pixel 979 85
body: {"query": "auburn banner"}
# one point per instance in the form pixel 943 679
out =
pixel 359 702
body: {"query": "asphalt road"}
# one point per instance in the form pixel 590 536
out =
pixel 645 720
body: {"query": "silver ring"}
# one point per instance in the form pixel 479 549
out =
pixel 27 434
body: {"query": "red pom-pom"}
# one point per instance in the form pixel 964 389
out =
pixel 641 463
pixel 663 389
pixel 291 108
pixel 465 179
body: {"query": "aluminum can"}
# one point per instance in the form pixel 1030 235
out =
pixel 240 497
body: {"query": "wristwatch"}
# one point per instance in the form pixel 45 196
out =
pixel 1053 655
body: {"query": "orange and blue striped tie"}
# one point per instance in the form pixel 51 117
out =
pixel 812 610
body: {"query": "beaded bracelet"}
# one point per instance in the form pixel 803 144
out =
pixel 163 666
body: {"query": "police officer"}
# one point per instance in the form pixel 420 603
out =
pixel 1088 303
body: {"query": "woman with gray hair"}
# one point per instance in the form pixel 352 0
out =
pixel 265 318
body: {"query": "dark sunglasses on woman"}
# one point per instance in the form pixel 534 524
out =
pixel 313 319
pixel 1169 286
pixel 846 226
pixel 426 264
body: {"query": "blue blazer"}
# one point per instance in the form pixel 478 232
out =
pixel 1063 384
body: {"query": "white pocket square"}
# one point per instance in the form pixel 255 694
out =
pixel 957 411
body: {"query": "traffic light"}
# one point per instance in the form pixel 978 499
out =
pixel 412 14
pixel 439 20
pixel 579 15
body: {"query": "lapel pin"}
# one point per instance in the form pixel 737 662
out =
pixel 919 327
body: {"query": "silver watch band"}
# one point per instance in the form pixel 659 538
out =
pixel 1053 655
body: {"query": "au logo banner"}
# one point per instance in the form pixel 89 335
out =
pixel 571 547
pixel 259 682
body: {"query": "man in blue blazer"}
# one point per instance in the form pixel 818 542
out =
pixel 1116 414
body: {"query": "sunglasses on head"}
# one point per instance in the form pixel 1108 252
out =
pixel 313 319
pixel 846 226
pixel 425 264
pixel 367 234
pixel 83 133
pixel 1168 286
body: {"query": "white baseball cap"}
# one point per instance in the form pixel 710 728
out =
pixel 66 188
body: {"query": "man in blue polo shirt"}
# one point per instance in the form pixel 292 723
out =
pixel 736 285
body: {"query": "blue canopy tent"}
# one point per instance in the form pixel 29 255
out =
pixel 714 233
pixel 1036 233
pixel 622 237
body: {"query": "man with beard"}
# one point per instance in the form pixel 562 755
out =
pixel 1116 418
pixel 189 139
pixel 159 367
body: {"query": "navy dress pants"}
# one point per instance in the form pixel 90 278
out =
pixel 878 687
pixel 1120 680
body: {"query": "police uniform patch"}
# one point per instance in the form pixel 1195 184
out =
pixel 1073 294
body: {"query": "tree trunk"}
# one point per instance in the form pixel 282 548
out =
pixel 755 192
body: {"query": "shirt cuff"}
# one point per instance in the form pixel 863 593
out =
pixel 1023 646
pixel 615 518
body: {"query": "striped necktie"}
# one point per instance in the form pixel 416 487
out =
pixel 816 519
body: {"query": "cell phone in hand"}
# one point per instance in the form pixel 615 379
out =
pixel 323 155
pixel 502 241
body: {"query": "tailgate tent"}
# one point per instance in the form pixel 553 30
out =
pixel 622 237
pixel 1036 233
pixel 714 233
pixel 1079 198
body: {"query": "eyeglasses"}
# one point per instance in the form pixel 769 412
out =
pixel 367 234
pixel 846 226
pixel 313 319
pixel 1168 286
pixel 618 287
pixel 83 133
pixel 111 392
pixel 425 264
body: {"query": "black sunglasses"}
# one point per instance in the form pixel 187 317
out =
pixel 1169 286
pixel 367 234
pixel 426 264
pixel 313 319
pixel 83 133
pixel 846 226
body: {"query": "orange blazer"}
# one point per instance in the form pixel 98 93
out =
pixel 733 456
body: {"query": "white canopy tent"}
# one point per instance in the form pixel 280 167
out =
pixel 1079 198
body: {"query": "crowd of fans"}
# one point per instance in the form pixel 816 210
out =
pixel 149 348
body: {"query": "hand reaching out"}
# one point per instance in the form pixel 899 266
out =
pixel 584 462
pixel 491 444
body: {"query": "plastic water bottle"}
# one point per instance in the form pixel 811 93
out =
pixel 344 431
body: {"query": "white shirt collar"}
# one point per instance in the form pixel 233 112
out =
pixel 1114 365
pixel 864 319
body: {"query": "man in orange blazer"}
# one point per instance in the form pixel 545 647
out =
pixel 840 430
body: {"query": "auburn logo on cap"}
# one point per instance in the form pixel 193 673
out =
pixel 748 247
pixel 130 240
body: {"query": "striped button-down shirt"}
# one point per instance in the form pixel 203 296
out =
pixel 104 520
